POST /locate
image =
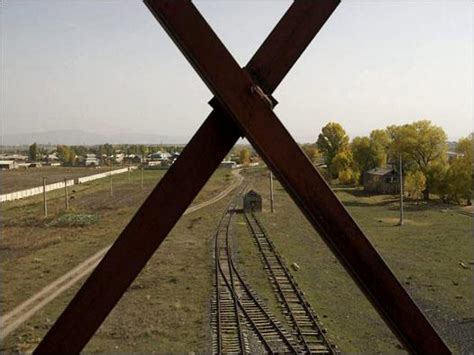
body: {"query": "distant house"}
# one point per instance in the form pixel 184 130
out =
pixel 382 181
pixel 252 202
pixel 453 155
pixel 14 157
pixel 52 157
pixel 91 160
pixel 160 156
pixel 119 157
pixel 227 164
pixel 7 165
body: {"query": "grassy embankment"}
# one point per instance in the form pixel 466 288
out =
pixel 166 308
pixel 424 254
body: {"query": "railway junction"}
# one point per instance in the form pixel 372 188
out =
pixel 243 106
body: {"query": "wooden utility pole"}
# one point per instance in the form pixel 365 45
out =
pixel 271 192
pixel 129 172
pixel 400 223
pixel 66 194
pixel 111 186
pixel 45 202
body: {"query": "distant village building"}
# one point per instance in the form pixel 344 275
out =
pixel 453 155
pixel 381 181
pixel 159 156
pixel 52 157
pixel 133 159
pixel 7 165
pixel 119 157
pixel 14 157
pixel 252 202
pixel 227 164
pixel 91 160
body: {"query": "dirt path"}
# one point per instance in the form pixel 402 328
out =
pixel 13 319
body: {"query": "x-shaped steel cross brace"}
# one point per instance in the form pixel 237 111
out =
pixel 239 106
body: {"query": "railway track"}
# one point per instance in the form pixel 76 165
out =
pixel 306 327
pixel 241 322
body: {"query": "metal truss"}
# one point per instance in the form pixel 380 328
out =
pixel 242 107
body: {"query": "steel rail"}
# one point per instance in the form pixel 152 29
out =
pixel 232 87
pixel 296 288
pixel 232 271
pixel 231 285
pixel 287 342
pixel 217 294
pixel 170 198
pixel 280 291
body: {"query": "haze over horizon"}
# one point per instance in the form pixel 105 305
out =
pixel 108 68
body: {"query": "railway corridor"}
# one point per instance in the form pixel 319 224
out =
pixel 241 322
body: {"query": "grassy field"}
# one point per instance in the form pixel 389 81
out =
pixel 424 254
pixel 166 309
pixel 21 179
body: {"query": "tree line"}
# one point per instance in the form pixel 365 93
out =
pixel 422 147
pixel 68 154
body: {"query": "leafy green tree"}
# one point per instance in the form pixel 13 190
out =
pixel 143 150
pixel 415 183
pixel 331 141
pixel 343 165
pixel 348 176
pixel 422 145
pixel 33 152
pixel 370 152
pixel 244 156
pixel 364 155
pixel 80 149
pixel 436 174
pixel 311 151
pixel 459 180
pixel 465 146
pixel 108 149
pixel 380 144
pixel 66 155
pixel 342 161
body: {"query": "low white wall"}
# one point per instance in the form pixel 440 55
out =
pixel 84 179
pixel 58 185
pixel 34 191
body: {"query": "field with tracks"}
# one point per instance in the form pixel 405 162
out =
pixel 169 307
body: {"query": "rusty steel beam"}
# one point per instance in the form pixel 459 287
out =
pixel 170 198
pixel 234 90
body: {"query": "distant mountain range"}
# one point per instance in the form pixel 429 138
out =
pixel 79 137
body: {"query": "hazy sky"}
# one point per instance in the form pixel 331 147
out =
pixel 108 66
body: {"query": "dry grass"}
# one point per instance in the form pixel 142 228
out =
pixel 166 309
pixel 424 254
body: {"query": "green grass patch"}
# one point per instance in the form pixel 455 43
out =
pixel 73 220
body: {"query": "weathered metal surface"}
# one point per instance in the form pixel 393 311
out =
pixel 232 88
pixel 170 198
